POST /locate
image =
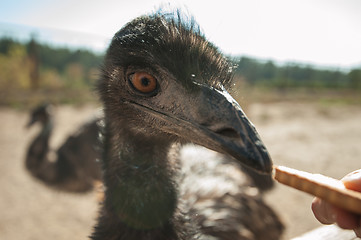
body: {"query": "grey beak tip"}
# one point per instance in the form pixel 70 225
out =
pixel 265 162
pixel 263 166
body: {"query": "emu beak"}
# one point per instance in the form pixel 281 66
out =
pixel 224 127
pixel 244 143
pixel 217 123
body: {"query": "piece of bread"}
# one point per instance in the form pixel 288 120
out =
pixel 326 188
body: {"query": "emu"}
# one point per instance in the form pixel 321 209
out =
pixel 163 89
pixel 74 166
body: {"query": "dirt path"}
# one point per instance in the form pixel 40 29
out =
pixel 311 138
pixel 303 136
pixel 29 210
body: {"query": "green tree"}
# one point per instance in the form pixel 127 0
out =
pixel 33 53
pixel 355 78
pixel 14 68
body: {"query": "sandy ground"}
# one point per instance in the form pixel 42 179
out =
pixel 309 137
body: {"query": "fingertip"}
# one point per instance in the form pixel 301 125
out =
pixel 323 211
pixel 353 180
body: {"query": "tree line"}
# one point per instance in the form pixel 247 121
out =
pixel 291 75
pixel 30 66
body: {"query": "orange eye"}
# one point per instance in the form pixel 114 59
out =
pixel 143 82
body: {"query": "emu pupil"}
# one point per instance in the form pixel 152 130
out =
pixel 145 81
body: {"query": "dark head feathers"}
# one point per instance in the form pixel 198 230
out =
pixel 173 42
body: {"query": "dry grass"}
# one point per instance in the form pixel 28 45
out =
pixel 307 136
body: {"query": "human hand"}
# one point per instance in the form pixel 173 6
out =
pixel 327 213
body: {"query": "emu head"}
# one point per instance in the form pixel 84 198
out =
pixel 162 79
pixel 41 114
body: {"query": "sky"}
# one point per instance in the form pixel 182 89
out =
pixel 326 33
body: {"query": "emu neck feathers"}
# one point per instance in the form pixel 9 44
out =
pixel 140 182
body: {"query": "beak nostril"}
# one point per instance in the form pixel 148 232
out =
pixel 228 132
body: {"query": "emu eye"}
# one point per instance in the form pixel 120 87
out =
pixel 143 82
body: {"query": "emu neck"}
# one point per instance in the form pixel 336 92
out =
pixel 139 177
pixel 47 128
pixel 39 148
pixel 41 142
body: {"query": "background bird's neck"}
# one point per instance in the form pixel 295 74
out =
pixel 140 180
pixel 41 142
pixel 47 128
pixel 37 152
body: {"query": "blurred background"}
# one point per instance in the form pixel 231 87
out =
pixel 298 77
